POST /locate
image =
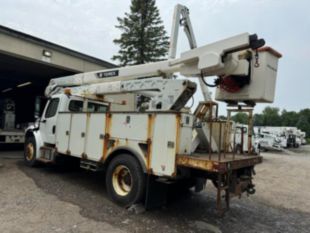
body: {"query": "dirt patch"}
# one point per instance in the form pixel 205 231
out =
pixel 26 208
pixel 284 179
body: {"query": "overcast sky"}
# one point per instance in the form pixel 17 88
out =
pixel 88 26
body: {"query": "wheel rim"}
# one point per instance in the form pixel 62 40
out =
pixel 122 180
pixel 29 151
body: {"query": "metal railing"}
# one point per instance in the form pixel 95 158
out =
pixel 208 112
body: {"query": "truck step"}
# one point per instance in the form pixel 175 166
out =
pixel 47 154
pixel 43 160
pixel 89 165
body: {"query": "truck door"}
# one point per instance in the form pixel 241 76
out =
pixel 48 121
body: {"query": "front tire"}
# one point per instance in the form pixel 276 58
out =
pixel 125 180
pixel 30 154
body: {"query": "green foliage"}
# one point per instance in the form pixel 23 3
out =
pixel 240 117
pixel 258 119
pixel 305 113
pixel 289 118
pixel 271 116
pixel 303 124
pixel 143 37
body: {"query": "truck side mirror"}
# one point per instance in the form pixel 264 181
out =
pixel 39 106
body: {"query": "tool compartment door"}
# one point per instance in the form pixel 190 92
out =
pixel 95 136
pixel 77 134
pixel 62 132
pixel 164 144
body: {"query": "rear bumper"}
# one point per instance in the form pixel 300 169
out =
pixel 212 163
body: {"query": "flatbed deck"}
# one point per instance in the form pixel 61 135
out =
pixel 218 163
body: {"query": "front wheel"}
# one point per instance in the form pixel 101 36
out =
pixel 125 180
pixel 30 152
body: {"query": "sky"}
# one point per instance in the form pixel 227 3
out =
pixel 88 26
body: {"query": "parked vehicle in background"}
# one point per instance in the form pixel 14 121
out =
pixel 240 136
pixel 280 137
pixel 9 132
pixel 268 141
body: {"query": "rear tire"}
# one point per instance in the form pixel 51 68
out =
pixel 125 180
pixel 30 154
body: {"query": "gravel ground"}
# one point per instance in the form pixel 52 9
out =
pixel 284 179
pixel 48 199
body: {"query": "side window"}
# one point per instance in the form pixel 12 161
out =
pixel 76 106
pixel 52 108
pixel 93 107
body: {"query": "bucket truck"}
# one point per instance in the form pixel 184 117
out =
pixel 281 137
pixel 145 143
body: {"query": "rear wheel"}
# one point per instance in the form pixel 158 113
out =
pixel 125 180
pixel 30 152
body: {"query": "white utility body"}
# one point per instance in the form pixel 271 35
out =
pixel 147 136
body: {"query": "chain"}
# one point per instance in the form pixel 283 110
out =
pixel 256 64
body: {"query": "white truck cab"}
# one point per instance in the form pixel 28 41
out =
pixel 64 103
pixel 44 130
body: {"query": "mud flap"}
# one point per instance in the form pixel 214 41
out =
pixel 156 193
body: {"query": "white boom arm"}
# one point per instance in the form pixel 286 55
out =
pixel 211 59
pixel 181 18
pixel 165 94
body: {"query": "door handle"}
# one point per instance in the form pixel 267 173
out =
pixel 54 129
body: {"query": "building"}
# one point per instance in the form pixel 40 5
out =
pixel 28 63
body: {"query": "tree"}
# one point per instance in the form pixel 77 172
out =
pixel 258 119
pixel 240 117
pixel 289 118
pixel 305 113
pixel 271 116
pixel 304 125
pixel 143 37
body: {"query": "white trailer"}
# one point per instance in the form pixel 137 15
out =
pixel 143 144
